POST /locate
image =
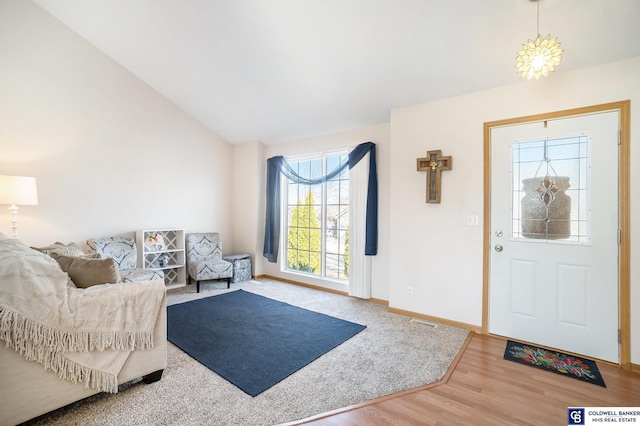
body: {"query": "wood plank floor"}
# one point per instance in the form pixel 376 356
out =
pixel 484 389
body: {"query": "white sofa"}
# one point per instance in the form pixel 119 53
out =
pixel 28 390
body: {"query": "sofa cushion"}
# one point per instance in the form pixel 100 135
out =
pixel 121 249
pixel 71 249
pixel 86 271
pixel 139 274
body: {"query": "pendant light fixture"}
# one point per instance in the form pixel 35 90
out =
pixel 540 56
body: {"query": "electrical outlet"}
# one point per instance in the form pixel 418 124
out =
pixel 409 291
pixel 472 220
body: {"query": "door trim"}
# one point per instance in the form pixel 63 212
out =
pixel 624 303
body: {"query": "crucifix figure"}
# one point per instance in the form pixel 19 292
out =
pixel 433 164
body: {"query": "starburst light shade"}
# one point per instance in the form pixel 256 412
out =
pixel 539 57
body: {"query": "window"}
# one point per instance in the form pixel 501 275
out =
pixel 550 190
pixel 317 220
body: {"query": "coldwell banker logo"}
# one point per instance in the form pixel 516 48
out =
pixel 596 415
pixel 575 416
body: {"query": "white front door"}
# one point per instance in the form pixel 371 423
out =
pixel 554 234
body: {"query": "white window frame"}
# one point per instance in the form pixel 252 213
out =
pixel 323 225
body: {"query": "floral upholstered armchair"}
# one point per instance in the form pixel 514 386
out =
pixel 204 258
pixel 123 251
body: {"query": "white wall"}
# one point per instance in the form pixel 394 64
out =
pixel 431 247
pixel 247 201
pixel 378 134
pixel 110 154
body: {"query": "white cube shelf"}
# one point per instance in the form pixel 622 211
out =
pixel 163 249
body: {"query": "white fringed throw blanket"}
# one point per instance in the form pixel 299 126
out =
pixel 82 335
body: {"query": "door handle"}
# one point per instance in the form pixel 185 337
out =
pixel 498 248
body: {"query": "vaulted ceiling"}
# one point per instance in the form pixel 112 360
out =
pixel 282 70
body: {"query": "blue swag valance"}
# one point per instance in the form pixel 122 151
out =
pixel 277 165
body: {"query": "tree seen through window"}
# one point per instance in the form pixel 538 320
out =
pixel 318 221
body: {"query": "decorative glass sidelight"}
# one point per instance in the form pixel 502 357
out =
pixel 550 189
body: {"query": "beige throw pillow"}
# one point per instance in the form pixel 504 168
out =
pixel 85 272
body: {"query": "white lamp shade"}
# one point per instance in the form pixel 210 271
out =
pixel 18 190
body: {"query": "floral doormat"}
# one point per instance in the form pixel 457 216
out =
pixel 556 362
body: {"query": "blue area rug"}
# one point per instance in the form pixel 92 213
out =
pixel 252 341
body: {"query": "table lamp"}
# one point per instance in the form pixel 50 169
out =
pixel 17 190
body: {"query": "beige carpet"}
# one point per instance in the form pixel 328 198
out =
pixel 392 354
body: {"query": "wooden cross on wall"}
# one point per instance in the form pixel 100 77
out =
pixel 434 164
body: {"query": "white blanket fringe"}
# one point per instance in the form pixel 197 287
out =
pixel 18 330
pixel 76 373
pixel 52 360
